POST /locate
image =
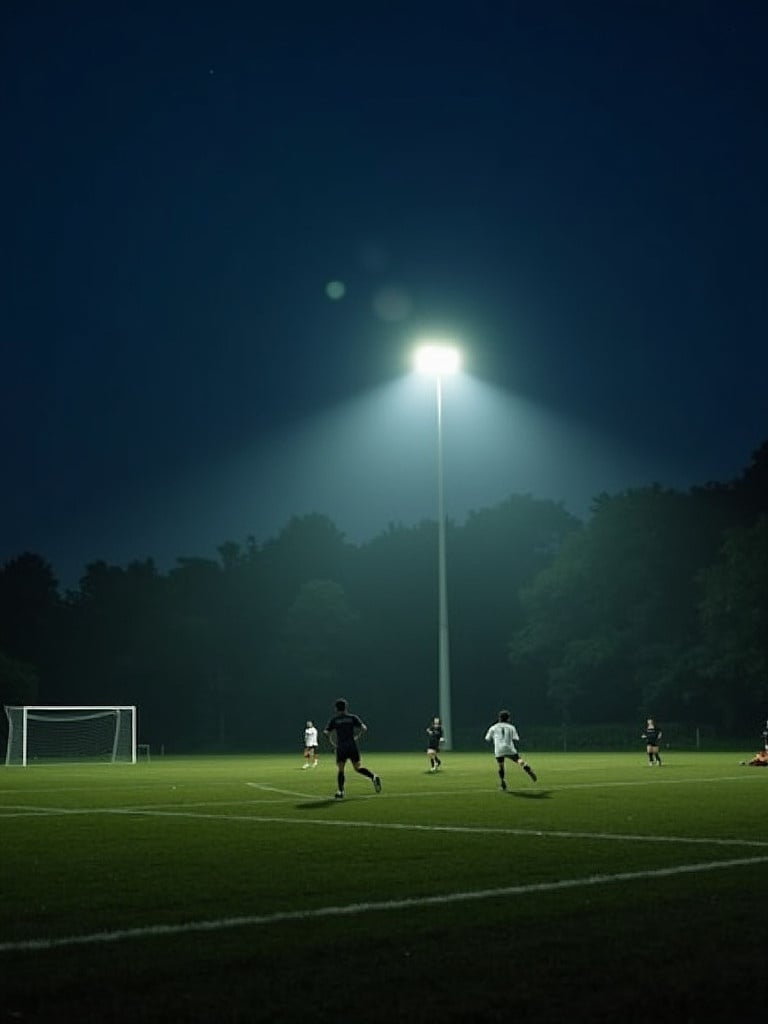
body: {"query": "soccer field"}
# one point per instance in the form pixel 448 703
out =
pixel 237 889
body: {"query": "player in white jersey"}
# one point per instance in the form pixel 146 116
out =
pixel 310 747
pixel 505 736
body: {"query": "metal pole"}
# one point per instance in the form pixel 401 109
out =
pixel 444 675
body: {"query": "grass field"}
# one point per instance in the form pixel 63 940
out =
pixel 238 890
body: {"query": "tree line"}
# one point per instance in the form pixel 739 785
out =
pixel 656 604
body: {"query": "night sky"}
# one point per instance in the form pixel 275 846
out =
pixel 575 191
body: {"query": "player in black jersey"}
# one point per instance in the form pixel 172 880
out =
pixel 435 733
pixel 342 732
pixel 652 735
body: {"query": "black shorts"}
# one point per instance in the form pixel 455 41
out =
pixel 348 752
pixel 512 757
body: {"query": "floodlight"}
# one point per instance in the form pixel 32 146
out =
pixel 438 358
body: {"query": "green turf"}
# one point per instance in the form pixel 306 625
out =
pixel 238 890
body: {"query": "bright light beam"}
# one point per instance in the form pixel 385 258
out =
pixel 439 359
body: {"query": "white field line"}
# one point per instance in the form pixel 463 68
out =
pixel 35 811
pixel 666 781
pixel 483 830
pixel 18 811
pixel 273 789
pixel 32 810
pixel 355 909
pixel 457 829
pixel 117 788
pixel 21 810
pixel 10 809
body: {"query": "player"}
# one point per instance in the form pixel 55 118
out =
pixel 435 733
pixel 343 732
pixel 310 746
pixel 765 736
pixel 760 760
pixel 505 736
pixel 652 735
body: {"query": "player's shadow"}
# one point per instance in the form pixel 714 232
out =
pixel 531 794
pixel 312 805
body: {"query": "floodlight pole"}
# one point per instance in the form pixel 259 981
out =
pixel 444 674
pixel 439 358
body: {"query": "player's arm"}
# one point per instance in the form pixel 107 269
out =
pixel 361 728
pixel 329 737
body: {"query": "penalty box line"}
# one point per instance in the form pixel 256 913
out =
pixel 356 909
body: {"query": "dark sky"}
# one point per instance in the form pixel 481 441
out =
pixel 576 191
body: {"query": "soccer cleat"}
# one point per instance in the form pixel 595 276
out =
pixel 433 768
pixel 503 784
pixel 533 775
pixel 377 783
pixel 339 794
pixel 304 767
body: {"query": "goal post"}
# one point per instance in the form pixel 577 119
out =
pixel 71 734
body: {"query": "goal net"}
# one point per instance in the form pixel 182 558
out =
pixel 47 734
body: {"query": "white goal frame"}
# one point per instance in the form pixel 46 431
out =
pixel 28 710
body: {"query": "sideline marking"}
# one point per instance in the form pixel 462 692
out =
pixel 354 909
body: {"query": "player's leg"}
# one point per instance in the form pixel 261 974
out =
pixel 525 766
pixel 658 756
pixel 431 756
pixel 340 765
pixel 502 780
pixel 650 755
pixel 361 770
